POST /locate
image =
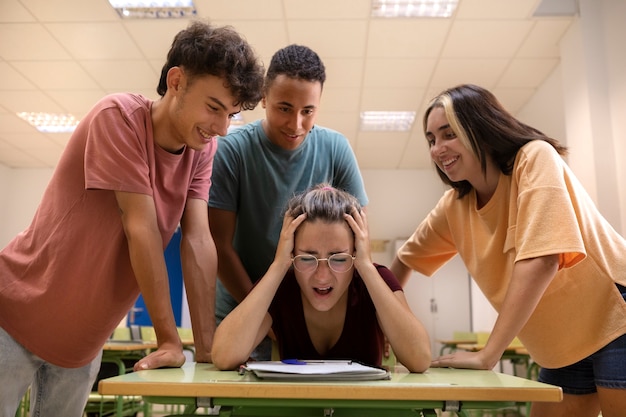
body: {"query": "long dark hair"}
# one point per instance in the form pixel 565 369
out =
pixel 486 128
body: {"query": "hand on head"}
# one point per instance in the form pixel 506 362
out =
pixel 284 251
pixel 357 220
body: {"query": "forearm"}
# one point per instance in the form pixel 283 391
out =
pixel 529 280
pixel 148 263
pixel 406 334
pixel 199 265
pixel 400 270
pixel 244 327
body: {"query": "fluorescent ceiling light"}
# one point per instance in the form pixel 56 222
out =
pixel 50 123
pixel 400 121
pixel 154 9
pixel 413 8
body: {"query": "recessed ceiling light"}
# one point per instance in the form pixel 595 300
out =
pixel 413 8
pixel 50 123
pixel 400 121
pixel 154 9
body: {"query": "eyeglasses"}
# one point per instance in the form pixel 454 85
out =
pixel 338 262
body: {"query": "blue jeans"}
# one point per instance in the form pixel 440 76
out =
pixel 55 391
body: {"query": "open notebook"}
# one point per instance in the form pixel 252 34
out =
pixel 316 370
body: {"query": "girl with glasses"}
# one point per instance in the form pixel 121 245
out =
pixel 323 297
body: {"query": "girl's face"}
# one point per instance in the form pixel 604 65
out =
pixel 323 288
pixel 448 152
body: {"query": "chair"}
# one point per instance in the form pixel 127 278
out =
pixel 449 346
pixel 24 407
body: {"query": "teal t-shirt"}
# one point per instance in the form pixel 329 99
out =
pixel 255 178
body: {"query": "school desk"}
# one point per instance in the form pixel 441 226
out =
pixel 405 394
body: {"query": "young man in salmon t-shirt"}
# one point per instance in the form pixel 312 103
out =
pixel 132 171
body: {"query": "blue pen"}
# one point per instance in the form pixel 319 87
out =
pixel 293 362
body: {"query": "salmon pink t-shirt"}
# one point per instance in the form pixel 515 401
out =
pixel 66 281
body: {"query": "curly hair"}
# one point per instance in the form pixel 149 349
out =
pixel 485 127
pixel 202 49
pixel 323 202
pixel 296 61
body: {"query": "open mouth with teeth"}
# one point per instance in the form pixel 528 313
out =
pixel 205 134
pixel 323 290
pixel 449 161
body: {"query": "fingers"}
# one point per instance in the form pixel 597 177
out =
pixel 160 359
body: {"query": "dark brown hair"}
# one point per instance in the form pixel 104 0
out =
pixel 485 127
pixel 202 49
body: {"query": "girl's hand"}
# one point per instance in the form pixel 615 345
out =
pixel 464 360
pixel 358 223
pixel 284 250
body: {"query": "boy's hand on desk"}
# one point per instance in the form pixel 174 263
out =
pixel 463 360
pixel 161 358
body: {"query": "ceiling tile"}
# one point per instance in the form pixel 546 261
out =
pixel 495 9
pixel 406 38
pixel 10 123
pixel 16 158
pixel 327 9
pixel 391 99
pixel 29 41
pixel 485 39
pixel 415 153
pixel 527 72
pixel 154 37
pixel 398 72
pixel 379 150
pixel 56 75
pixel 483 72
pixel 325 42
pixel 240 9
pixel 14 11
pixel 122 75
pixel 265 42
pixel 11 79
pixel 513 99
pixel 343 72
pixel 544 38
pixel 343 122
pixel 340 99
pixel 95 40
pixel 77 102
pixel 30 101
pixel 71 10
pixel 29 141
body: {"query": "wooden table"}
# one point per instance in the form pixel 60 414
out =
pixel 404 395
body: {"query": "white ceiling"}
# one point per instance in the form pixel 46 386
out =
pixel 61 56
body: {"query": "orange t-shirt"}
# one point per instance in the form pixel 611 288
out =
pixel 66 281
pixel 540 209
